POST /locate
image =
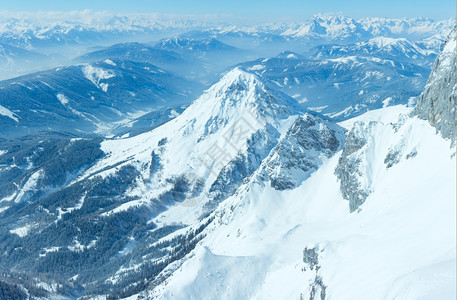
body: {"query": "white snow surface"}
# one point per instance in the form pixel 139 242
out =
pixel 30 185
pixel 62 99
pixel 8 113
pixel 21 231
pixel 400 245
pixel 109 62
pixel 96 75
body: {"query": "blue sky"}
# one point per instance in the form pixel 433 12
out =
pixel 268 9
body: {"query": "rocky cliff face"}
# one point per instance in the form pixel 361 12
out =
pixel 349 169
pixel 438 100
pixel 306 144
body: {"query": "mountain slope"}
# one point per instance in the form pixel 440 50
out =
pixel 343 87
pixel 271 244
pixel 242 194
pixel 124 209
pixel 15 60
pixel 395 239
pixel 400 49
pixel 137 52
pixel 208 134
pixel 194 47
pixel 87 98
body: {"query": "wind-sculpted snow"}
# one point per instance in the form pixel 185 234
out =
pixel 437 103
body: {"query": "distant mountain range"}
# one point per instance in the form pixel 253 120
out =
pixel 89 98
pixel 61 38
pixel 127 80
pixel 26 32
pixel 398 49
pixel 344 86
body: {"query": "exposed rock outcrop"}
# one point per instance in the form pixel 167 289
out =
pixel 300 153
pixel 437 103
pixel 349 171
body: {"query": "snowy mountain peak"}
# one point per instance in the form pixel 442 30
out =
pixel 289 55
pixel 332 19
pixel 239 99
pixel 328 27
pixel 234 81
pixel 390 44
pixel 244 90
pixel 238 75
pixel 385 41
pixel 230 120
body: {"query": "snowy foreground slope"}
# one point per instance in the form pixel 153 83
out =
pixel 398 174
pixel 401 243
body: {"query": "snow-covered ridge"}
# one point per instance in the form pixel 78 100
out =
pixel 259 235
pixel 389 44
pixel 340 27
pixel 309 142
pixel 396 172
pixel 399 49
pixel 195 146
pixel 333 27
pixel 408 26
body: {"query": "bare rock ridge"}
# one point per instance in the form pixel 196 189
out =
pixel 437 102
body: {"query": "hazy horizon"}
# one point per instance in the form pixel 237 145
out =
pixel 89 16
pixel 266 11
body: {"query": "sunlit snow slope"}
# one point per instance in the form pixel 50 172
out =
pixel 401 244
